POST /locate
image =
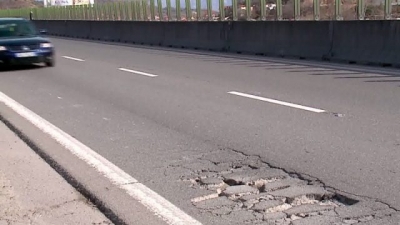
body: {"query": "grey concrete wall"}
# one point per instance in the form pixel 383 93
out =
pixel 366 42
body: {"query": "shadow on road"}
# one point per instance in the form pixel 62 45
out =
pixel 4 68
pixel 382 81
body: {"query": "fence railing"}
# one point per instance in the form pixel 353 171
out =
pixel 226 10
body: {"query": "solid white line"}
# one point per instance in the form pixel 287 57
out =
pixel 72 58
pixel 138 72
pixel 150 199
pixel 277 102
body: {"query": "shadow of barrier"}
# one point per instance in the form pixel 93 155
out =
pixel 364 42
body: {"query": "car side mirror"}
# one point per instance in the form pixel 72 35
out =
pixel 43 32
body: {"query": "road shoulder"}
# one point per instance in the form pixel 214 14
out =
pixel 114 202
pixel 31 192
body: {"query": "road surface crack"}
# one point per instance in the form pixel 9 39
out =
pixel 311 179
pixel 242 188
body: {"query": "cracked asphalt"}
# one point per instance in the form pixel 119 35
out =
pixel 246 190
pixel 227 159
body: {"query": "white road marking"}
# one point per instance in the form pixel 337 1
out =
pixel 138 72
pixel 72 58
pixel 277 102
pixel 150 199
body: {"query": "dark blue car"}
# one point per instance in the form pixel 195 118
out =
pixel 21 43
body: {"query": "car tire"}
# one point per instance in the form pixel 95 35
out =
pixel 6 65
pixel 50 63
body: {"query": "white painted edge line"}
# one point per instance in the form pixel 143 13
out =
pixel 138 72
pixel 72 58
pixel 151 200
pixel 278 102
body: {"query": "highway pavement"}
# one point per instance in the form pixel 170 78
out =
pixel 159 113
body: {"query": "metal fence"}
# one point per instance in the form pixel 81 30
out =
pixel 226 10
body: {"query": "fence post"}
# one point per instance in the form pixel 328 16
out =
pixel 221 10
pixel 263 4
pixel 279 10
pixel 133 11
pixel 198 10
pixel 160 10
pixel 85 9
pixel 209 10
pixel 117 13
pixel 152 10
pixel 248 10
pixel 62 13
pixel 188 10
pixel 338 10
pixel 234 10
pixel 45 10
pixel 297 10
pixel 35 13
pixel 139 11
pixel 144 6
pixel 93 7
pixel 388 9
pixel 316 10
pixel 121 11
pixel 178 10
pixel 361 9
pixel 169 15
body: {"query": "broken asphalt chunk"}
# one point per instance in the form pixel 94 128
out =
pixel 215 203
pixel 312 192
pixel 239 190
pixel 246 176
pixel 307 209
pixel 264 205
pixel 274 216
pixel 317 220
pixel 282 184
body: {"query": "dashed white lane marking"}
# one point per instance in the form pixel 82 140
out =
pixel 72 58
pixel 150 199
pixel 277 102
pixel 138 72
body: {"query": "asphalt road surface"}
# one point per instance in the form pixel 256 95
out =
pixel 151 111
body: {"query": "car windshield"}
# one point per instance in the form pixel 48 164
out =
pixel 16 29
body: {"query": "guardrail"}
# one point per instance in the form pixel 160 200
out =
pixel 227 10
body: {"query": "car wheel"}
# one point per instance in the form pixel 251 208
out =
pixel 6 65
pixel 50 63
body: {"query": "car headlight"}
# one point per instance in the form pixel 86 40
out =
pixel 46 45
pixel 2 48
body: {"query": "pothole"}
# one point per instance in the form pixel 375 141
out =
pixel 267 192
pixel 270 194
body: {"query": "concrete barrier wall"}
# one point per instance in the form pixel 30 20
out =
pixel 376 42
pixel 366 42
pixel 303 39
